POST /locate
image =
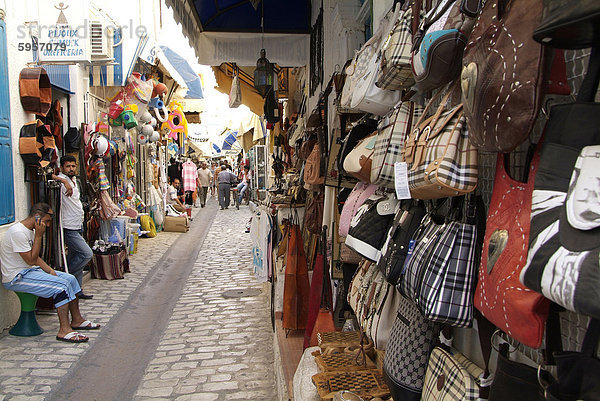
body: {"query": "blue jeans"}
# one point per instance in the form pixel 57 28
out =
pixel 242 187
pixel 79 253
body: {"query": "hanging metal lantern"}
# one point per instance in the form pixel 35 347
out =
pixel 264 75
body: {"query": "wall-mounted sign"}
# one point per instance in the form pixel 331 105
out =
pixel 64 31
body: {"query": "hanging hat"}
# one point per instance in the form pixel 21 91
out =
pixel 35 90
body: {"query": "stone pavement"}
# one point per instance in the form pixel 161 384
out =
pixel 213 348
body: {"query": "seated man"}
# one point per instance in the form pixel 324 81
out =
pixel 173 198
pixel 23 270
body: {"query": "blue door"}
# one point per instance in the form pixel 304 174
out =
pixel 7 199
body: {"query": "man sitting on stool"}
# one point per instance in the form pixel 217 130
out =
pixel 23 270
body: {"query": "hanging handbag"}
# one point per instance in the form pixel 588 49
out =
pixel 235 94
pixel 390 142
pixel 370 225
pixel 324 321
pixel 313 174
pixel 440 158
pixel 451 376
pixel 360 285
pixel 578 372
pixel 398 240
pixel 516 381
pixel 366 96
pixel 360 193
pixel 359 161
pixel 562 263
pixel 439 276
pixel 365 126
pixel 313 217
pixel 439 43
pixel 383 315
pixel 395 72
pixel 567 26
pixel 503 75
pixel 409 346
pixel 501 298
pixel 296 285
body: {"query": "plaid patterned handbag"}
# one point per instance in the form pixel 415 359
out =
pixel 390 141
pixel 450 376
pixel 440 275
pixel 395 71
pixel 441 160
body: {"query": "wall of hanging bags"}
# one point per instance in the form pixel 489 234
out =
pixel 448 123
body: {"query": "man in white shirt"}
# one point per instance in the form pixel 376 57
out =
pixel 23 270
pixel 172 198
pixel 71 218
pixel 205 177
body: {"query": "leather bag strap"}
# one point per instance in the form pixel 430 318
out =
pixel 589 86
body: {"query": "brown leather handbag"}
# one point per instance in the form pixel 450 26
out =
pixel 296 287
pixel 503 75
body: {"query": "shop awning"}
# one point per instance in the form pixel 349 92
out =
pixel 185 70
pixel 59 77
pixel 230 30
pixel 229 141
pixel 250 96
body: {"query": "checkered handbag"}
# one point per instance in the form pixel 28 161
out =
pixel 450 377
pixel 395 71
pixel 447 285
pixel 416 260
pixel 390 141
pixel 441 160
pixel 411 340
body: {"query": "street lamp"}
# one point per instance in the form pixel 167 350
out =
pixel 264 74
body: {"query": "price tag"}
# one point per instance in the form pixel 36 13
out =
pixel 401 180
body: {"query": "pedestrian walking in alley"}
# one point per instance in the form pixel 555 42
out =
pixel 226 179
pixel 243 185
pixel 213 182
pixel 205 177
pixel 173 197
pixel 71 221
pixel 24 270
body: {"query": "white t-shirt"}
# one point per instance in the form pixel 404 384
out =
pixel 204 175
pixel 17 239
pixel 171 195
pixel 71 209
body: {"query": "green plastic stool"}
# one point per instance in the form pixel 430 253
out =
pixel 27 324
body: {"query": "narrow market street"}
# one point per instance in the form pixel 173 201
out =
pixel 171 331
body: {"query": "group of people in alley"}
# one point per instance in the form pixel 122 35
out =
pixel 218 180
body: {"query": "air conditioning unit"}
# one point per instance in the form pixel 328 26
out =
pixel 100 41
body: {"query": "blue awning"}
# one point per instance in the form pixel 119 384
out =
pixel 59 77
pixel 229 140
pixel 216 148
pixel 183 68
pixel 289 16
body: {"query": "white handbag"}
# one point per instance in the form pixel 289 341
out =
pixel 366 96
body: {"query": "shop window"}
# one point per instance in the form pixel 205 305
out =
pixel 7 201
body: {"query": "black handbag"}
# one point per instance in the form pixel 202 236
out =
pixel 578 372
pixel 568 24
pixel 398 239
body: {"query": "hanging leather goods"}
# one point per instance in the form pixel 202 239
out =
pixel 296 286
pixel 568 26
pixel 500 297
pixel 564 245
pixel 503 75
pixel 324 322
pixel 35 90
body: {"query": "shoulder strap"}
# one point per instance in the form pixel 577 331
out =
pixel 589 86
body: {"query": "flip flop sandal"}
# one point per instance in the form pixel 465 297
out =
pixel 73 337
pixel 87 325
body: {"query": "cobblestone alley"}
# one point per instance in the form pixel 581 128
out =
pixel 170 329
